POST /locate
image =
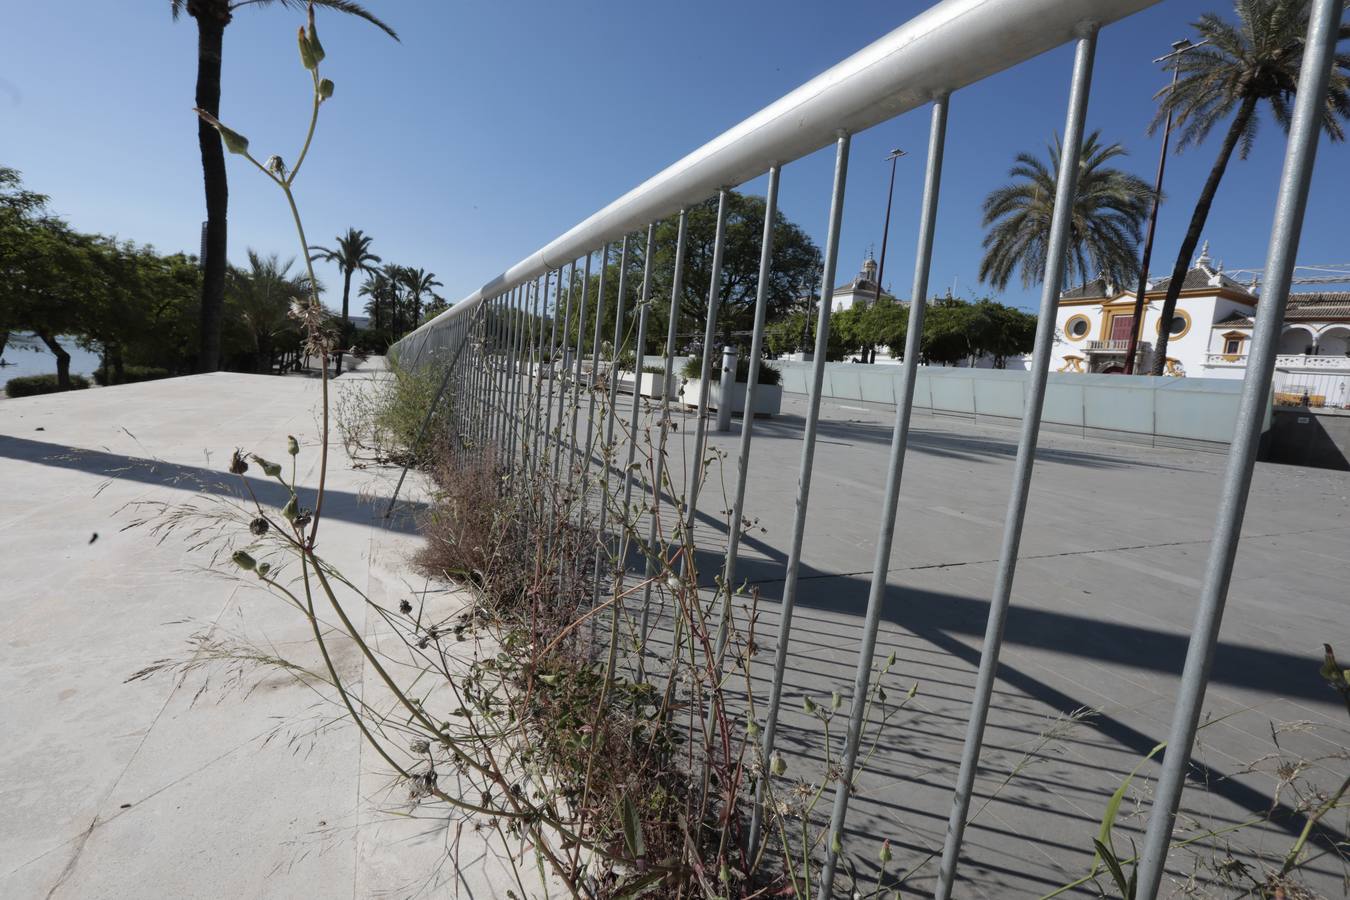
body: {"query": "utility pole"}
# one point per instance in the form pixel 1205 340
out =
pixel 886 228
pixel 1178 48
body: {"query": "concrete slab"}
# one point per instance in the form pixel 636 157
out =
pixel 1114 550
pixel 204 786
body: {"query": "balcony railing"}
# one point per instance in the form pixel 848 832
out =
pixel 1115 346
pixel 1291 361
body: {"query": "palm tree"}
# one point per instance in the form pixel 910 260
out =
pixel 352 255
pixel 212 17
pixel 376 287
pixel 1238 68
pixel 393 294
pixel 418 283
pixel 1109 209
pixel 260 297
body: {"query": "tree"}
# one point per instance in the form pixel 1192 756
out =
pixel 1239 68
pixel 260 298
pixel 17 204
pixel 956 331
pixel 1109 209
pixel 212 18
pixel 377 287
pixel 865 327
pixel 795 262
pixel 392 285
pixel 352 255
pixel 418 284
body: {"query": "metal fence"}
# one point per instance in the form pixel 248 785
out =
pixel 488 343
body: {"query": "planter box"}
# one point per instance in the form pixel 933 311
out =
pixel 649 384
pixel 768 397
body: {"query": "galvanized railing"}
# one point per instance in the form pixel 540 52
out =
pixel 496 362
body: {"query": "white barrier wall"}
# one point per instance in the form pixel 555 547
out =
pixel 1198 413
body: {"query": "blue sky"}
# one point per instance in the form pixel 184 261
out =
pixel 494 126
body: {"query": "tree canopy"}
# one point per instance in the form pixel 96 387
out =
pixel 795 264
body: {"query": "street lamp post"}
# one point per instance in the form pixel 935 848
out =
pixel 886 226
pixel 1178 48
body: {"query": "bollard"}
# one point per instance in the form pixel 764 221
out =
pixel 728 399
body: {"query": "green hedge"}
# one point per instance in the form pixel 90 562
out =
pixel 29 385
pixel 132 374
pixel 768 374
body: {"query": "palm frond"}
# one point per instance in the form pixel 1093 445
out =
pixel 342 6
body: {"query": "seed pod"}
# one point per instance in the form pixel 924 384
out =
pixel 258 526
pixel 270 469
pixel 777 765
pixel 244 561
pixel 809 705
pixel 306 50
pixel 326 88
pixel 263 569
pixel 890 660
pixel 885 853
pixel 292 445
pixel 234 141
pixel 836 700
pixel 314 37
pixel 238 466
pixel 291 509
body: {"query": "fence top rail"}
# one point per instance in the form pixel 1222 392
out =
pixel 952 44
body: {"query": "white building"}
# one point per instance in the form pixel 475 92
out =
pixel 1210 332
pixel 863 290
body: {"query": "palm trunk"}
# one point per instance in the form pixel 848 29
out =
pixel 1183 264
pixel 346 294
pixel 210 39
pixel 62 359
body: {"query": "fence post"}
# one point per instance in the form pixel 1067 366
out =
pixel 841 147
pixel 748 421
pixel 1310 101
pixel 639 354
pixel 1061 222
pixel 728 388
pixel 886 532
pixel 676 290
pixel 615 352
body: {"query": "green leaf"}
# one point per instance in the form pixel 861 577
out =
pixel 632 828
pixel 1113 806
pixel 1112 865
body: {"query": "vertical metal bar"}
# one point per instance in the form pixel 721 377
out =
pixel 546 365
pixel 595 369
pixel 605 457
pixel 476 375
pixel 530 442
pixel 574 444
pixel 1056 253
pixel 1310 102
pixel 517 342
pixel 676 289
pixel 886 531
pixel 705 369
pixel 634 424
pixel 494 343
pixel 803 475
pixel 503 370
pixel 561 372
pixel 748 419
